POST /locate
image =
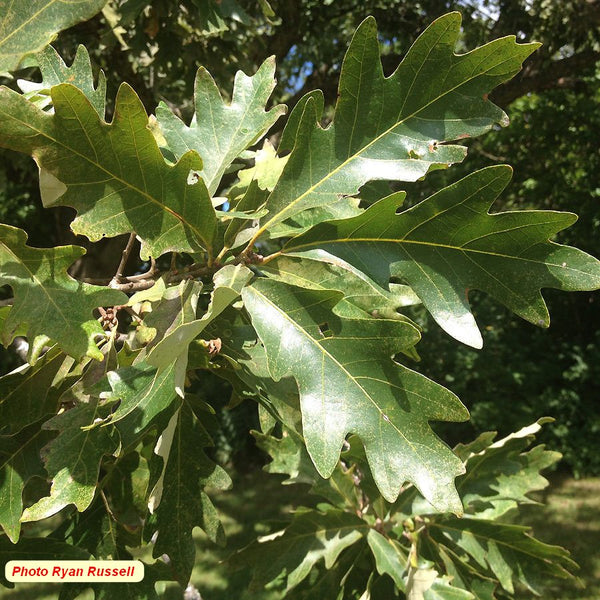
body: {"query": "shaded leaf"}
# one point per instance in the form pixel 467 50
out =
pixel 183 504
pixel 389 556
pixel 348 383
pixel 72 460
pixel 362 296
pixel 48 301
pixel 505 550
pixel 27 27
pixel 228 283
pixel 292 553
pixel 449 243
pixel 19 462
pixel 176 307
pixel 146 396
pixel 215 16
pixel 500 475
pixel 32 392
pixel 220 132
pixel 113 174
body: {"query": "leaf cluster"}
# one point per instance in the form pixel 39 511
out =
pixel 287 273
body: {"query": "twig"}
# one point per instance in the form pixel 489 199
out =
pixel 149 273
pixel 124 258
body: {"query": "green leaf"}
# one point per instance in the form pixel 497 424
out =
pixel 441 589
pixel 49 302
pixel 500 475
pixel 292 553
pixel 145 395
pixel 180 501
pixel 249 373
pixel 449 243
pixel 72 460
pixel 215 15
pixel 19 462
pixel 220 132
pixel 55 71
pixel 144 590
pixel 505 550
pixel 32 392
pixel 362 296
pixel 389 556
pixel 175 307
pixel 394 128
pixel 289 457
pixel 349 383
pixel 113 174
pixel 265 172
pixel 228 283
pixel 27 27
pixel 88 375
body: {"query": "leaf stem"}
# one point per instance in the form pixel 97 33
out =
pixel 271 257
pixel 222 254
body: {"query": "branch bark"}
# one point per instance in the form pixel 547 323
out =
pixel 539 77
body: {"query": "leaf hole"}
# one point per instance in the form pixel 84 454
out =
pixel 325 331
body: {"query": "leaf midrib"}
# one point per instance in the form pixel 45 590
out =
pixel 443 526
pixel 319 243
pixel 38 282
pixel 26 22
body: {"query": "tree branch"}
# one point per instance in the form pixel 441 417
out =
pixel 555 74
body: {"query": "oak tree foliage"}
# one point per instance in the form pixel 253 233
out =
pixel 275 268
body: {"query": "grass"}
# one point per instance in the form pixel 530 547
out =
pixel 570 517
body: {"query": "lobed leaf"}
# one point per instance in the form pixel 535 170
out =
pixel 394 128
pixel 228 283
pixel 220 132
pixel 182 504
pixel 48 302
pixel 500 475
pixel 292 553
pixel 449 243
pixel 113 174
pixel 72 460
pixel 348 383
pixel 19 462
pixel 32 391
pixel 26 27
pixel 54 72
pixel 505 550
